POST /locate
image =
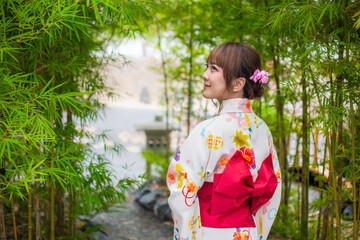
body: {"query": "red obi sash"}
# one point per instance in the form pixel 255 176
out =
pixel 233 197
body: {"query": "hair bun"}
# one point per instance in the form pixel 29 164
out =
pixel 258 90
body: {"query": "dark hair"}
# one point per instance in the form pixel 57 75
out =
pixel 238 60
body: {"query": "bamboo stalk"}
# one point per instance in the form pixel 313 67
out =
pixel 281 140
pixel 290 174
pixel 37 184
pixel 2 219
pixel 59 226
pixel 339 103
pixel 37 212
pixel 296 163
pixel 316 139
pixel 13 217
pixel 298 209
pixel 163 67
pixel 73 226
pixel 51 181
pixel 333 182
pixel 288 188
pixel 332 176
pixel 52 200
pixel 358 213
pixel 293 174
pixel 70 207
pixel 331 223
pixel 296 158
pixel 190 80
pixel 305 163
pixel 352 126
pixel 52 211
pixel 340 160
pixel 321 194
pixel 29 217
pixel 71 199
pixel 325 225
pixel 355 223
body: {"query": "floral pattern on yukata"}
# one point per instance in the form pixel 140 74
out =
pixel 244 235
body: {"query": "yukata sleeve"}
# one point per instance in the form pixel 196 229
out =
pixel 269 210
pixel 184 178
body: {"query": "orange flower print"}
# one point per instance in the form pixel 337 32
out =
pixel 278 176
pixel 241 235
pixel 244 105
pixel 171 175
pixel 248 155
pixel 191 187
pixel 224 161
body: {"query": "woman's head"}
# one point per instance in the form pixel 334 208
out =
pixel 237 62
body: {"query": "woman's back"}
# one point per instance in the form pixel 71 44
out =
pixel 235 135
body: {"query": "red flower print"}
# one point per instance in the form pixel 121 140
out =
pixel 248 105
pixel 248 155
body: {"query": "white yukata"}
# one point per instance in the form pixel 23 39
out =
pixel 224 181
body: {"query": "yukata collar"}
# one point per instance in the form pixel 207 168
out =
pixel 235 105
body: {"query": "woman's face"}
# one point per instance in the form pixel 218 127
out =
pixel 214 82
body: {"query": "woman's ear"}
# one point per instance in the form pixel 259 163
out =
pixel 238 84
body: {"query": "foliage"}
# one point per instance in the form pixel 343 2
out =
pixel 158 161
pixel 50 69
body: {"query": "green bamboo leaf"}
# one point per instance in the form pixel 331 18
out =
pixel 96 10
pixel 38 165
pixel 324 10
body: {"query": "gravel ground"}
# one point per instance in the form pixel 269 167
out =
pixel 132 222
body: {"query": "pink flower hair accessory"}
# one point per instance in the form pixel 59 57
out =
pixel 261 76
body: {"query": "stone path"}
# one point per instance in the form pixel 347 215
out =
pixel 132 222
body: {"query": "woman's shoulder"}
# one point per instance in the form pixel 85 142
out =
pixel 208 126
pixel 205 125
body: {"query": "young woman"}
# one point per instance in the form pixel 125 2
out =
pixel 224 181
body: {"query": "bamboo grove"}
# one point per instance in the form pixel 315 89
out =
pixel 311 50
pixel 51 59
